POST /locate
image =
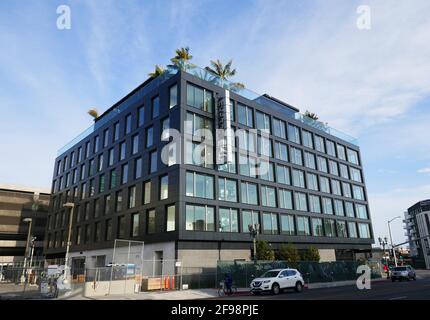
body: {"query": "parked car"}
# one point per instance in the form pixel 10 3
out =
pixel 277 280
pixel 403 272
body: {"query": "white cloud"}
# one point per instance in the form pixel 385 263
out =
pixel 424 170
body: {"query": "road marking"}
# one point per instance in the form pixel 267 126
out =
pixel 399 298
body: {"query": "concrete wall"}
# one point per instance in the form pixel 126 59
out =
pixel 327 255
pixel 193 258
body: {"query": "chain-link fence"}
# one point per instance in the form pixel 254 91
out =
pixel 243 272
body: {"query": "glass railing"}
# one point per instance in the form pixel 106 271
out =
pixel 216 80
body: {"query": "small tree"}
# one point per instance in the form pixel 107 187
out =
pixel 311 115
pixel 264 251
pixel 312 255
pixel 289 253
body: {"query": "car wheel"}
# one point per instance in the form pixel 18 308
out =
pixel 415 278
pixel 276 289
pixel 299 287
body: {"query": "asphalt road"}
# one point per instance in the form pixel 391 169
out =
pixel 381 290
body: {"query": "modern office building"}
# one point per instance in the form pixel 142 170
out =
pixel 417 225
pixel 18 204
pixel 302 183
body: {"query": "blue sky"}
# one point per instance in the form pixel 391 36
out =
pixel 373 84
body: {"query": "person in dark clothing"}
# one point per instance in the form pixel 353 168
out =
pixel 228 281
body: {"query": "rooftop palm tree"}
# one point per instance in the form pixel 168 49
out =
pixel 158 71
pixel 182 58
pixel 311 115
pixel 93 113
pixel 222 71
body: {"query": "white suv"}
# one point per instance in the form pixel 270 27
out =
pixel 276 280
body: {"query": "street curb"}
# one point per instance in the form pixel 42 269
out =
pixel 321 285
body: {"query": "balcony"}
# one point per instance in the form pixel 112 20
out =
pixel 214 79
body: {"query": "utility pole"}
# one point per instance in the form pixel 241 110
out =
pixel 391 239
pixel 24 270
pixel 71 206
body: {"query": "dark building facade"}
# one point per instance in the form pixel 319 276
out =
pixel 312 191
pixel 16 204
pixel 417 225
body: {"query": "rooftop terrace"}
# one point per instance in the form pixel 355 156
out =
pixel 203 74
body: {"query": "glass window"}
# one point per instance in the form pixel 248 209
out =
pixel 153 162
pixel 263 122
pixel 349 209
pixel 152 226
pixel 330 228
pixel 314 204
pixel 227 189
pixel 353 156
pixel 140 116
pixel 352 229
pixel 249 193
pixel 327 205
pixel 97 232
pixel 135 224
pixel 358 192
pixel 100 163
pixel 335 187
pixel 343 171
pixel 310 160
pixel 249 218
pixel 324 184
pixel 118 200
pixel 91 167
pixel 293 133
pixel 128 124
pixel 122 151
pixel 116 131
pixel 155 107
pixel 287 225
pixel 121 227
pixel 107 204
pixel 312 181
pixel 341 229
pixel 322 164
pixel 296 156
pixel 247 140
pixel 108 231
pixel 270 223
pixel 317 227
pixel 102 183
pixel 111 155
pixel 283 174
pixel 171 218
pixel 307 139
pixel 341 152
pixel 303 226
pixel 228 167
pixel 364 230
pixel 164 187
pixel 199 154
pixel 197 125
pixel 131 197
pixel 87 152
pixel 199 218
pixel 268 196
pixel 298 178
pixel 285 199
pixel 279 128
pixel 346 188
pixel 300 199
pixel 264 146
pixel 355 174
pixel 333 168
pixel 281 151
pixel 147 192
pixel 138 168
pixel 319 144
pixel 96 144
pixel 135 144
pixel 266 171
pixel 149 137
pixel 338 207
pixel 173 96
pixel 245 115
pixel 361 211
pixel 331 149
pixel 165 125
pixel 199 185
pixel 228 221
pixel 124 173
pixel 199 98
pixel 247 166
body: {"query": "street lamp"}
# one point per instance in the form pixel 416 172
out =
pixel 383 243
pixel 71 206
pixel 253 232
pixel 391 239
pixel 24 271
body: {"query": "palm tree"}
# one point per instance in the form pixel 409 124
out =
pixel 93 113
pixel 182 59
pixel 158 71
pixel 311 115
pixel 222 71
